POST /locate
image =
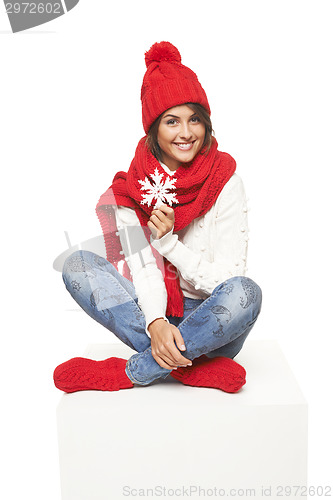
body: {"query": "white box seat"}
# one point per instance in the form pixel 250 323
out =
pixel 180 441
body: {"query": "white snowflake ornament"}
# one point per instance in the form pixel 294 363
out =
pixel 159 190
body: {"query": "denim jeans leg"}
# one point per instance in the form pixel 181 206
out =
pixel 231 349
pixel 106 296
pixel 227 315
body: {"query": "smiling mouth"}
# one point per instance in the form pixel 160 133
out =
pixel 184 146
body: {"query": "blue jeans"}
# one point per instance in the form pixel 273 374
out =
pixel 216 326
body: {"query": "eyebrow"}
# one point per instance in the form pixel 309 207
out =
pixel 174 116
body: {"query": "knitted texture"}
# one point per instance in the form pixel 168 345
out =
pixel 220 373
pixel 82 374
pixel 167 83
pixel 196 187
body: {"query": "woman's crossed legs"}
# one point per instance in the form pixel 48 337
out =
pixel 216 326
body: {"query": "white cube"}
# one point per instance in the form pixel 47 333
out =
pixel 171 440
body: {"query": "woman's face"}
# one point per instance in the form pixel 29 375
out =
pixel 180 136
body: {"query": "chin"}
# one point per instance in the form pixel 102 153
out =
pixel 188 159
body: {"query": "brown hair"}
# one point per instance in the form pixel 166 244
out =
pixel 203 115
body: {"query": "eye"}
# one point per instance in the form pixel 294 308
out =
pixel 195 119
pixel 172 121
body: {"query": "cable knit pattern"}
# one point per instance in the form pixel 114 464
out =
pixel 82 374
pixel 220 373
pixel 167 83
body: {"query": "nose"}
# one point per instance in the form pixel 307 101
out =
pixel 185 131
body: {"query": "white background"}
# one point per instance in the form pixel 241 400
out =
pixel 71 117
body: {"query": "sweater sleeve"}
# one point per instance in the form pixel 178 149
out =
pixel 147 277
pixel 228 234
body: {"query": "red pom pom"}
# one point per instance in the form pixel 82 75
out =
pixel 162 51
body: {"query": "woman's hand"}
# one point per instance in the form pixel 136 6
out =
pixel 161 221
pixel 163 348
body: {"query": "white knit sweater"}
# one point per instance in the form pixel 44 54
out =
pixel 211 249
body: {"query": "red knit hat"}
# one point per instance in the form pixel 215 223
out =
pixel 167 83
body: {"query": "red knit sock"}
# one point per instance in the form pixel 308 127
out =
pixel 220 373
pixel 81 374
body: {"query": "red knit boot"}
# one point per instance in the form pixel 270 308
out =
pixel 220 373
pixel 81 374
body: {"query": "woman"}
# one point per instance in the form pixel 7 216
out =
pixel 176 225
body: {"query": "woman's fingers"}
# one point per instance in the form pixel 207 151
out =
pixel 172 354
pixel 167 365
pixel 169 211
pixel 164 213
pixel 163 364
pixel 159 228
pixel 164 353
pixel 163 347
pixel 158 215
pixel 179 339
pixel 170 360
pixel 153 229
pixel 158 222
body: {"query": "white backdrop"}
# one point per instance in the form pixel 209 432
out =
pixel 71 117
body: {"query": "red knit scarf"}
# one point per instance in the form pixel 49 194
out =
pixel 191 192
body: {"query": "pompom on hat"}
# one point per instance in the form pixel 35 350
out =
pixel 167 83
